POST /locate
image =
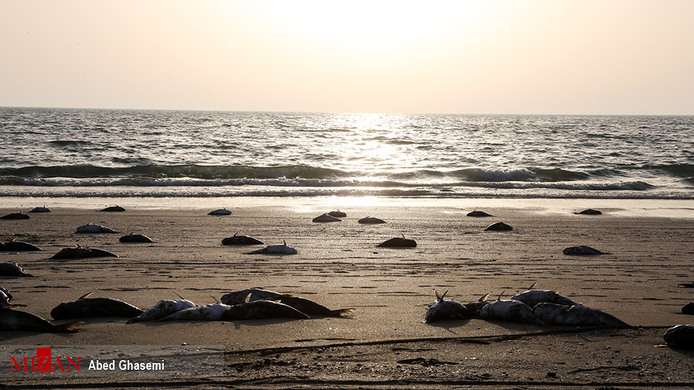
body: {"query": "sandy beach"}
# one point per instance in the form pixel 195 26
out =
pixel 385 342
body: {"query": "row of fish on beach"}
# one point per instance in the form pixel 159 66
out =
pixel 248 304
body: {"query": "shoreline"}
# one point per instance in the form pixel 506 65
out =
pixel 658 208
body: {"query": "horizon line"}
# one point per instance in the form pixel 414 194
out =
pixel 338 112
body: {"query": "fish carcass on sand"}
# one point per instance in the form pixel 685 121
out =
pixel 163 309
pixel 576 315
pixel 85 307
pixel 304 305
pixel 445 309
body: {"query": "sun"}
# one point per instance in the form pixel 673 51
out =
pixel 370 27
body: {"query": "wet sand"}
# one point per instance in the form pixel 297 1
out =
pixel 339 265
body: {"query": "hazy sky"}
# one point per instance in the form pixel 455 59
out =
pixel 515 56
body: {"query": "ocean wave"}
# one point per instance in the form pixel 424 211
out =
pixel 500 175
pixel 173 171
pixel 315 183
pixel 679 170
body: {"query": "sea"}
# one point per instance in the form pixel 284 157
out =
pixel 141 153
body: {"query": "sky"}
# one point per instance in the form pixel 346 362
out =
pixel 458 56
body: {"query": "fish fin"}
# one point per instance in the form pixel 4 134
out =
pixel 285 242
pixel 532 286
pixel 438 297
pixel 215 299
pixel 247 298
pixel 178 295
pixel 341 312
pixel 483 297
pixel 85 295
pixel 501 295
pixel 444 294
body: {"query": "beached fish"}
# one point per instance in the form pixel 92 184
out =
pixel 12 269
pixel 325 218
pixel 5 298
pixel 220 212
pixel 85 307
pixel 133 238
pixel 163 309
pixel 40 209
pixel 445 310
pixel 581 250
pixel 398 242
pixel 534 296
pixel 680 336
pixel 79 252
pixel 338 214
pixel 211 312
pixel 498 227
pixel 15 216
pixel 19 321
pixel 576 315
pixel 258 310
pixel 92 228
pixel 241 240
pixel 283 249
pixel 18 246
pixel 371 221
pixel 113 209
pixel 589 212
pixel 508 310
pixel 304 305
pixel 478 214
pixel 688 308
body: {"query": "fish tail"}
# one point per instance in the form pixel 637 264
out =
pixel 341 312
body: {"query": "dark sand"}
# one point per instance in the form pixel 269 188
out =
pixel 339 265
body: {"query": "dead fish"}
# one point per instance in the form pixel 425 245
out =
pixel 241 240
pixel 371 221
pixel 13 269
pixel 498 227
pixel 680 336
pixel 40 209
pixel 163 309
pixel 304 305
pixel 589 212
pixel 113 209
pixel 338 214
pixel 19 321
pixel 5 298
pixel 688 308
pixel 325 218
pixel 15 216
pixel 582 250
pixel 79 252
pixel 18 246
pixel 85 307
pixel 258 310
pixel 92 228
pixel 133 238
pixel 576 315
pixel 283 249
pixel 478 214
pixel 445 310
pixel 398 242
pixel 211 312
pixel 534 296
pixel 508 310
pixel 220 212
